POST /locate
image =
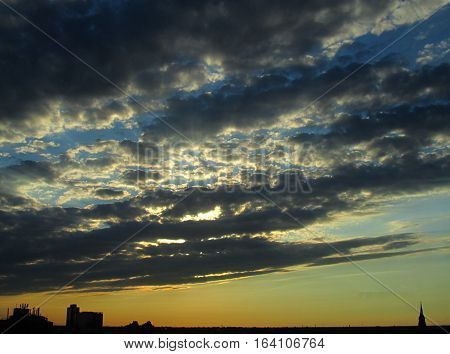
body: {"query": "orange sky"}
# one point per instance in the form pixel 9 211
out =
pixel 324 296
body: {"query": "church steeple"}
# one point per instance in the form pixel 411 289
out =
pixel 422 322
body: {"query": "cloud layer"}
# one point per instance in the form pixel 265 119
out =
pixel 274 146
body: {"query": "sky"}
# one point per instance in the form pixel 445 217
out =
pixel 215 163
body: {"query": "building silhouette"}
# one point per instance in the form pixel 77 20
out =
pixel 84 322
pixel 72 316
pixel 422 323
pixel 26 320
pixel 135 328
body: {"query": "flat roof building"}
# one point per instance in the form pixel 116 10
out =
pixel 85 322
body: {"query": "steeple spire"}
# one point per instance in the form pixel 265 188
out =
pixel 422 323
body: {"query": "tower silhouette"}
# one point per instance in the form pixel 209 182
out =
pixel 422 322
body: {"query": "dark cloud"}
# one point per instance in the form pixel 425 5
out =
pixel 148 45
pixel 414 125
pixel 27 171
pixel 399 244
pixel 371 90
pixel 364 257
pixel 108 193
pixel 407 174
pixel 119 210
pixel 10 200
pixel 196 261
pixel 100 162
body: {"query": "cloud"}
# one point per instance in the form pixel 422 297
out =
pixel 263 101
pixel 152 50
pixel 14 176
pixel 363 257
pixel 47 237
pixel 236 78
pixel 36 146
pixel 105 193
pixel 434 52
pixel 189 262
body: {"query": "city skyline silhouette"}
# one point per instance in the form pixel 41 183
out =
pixel 29 320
